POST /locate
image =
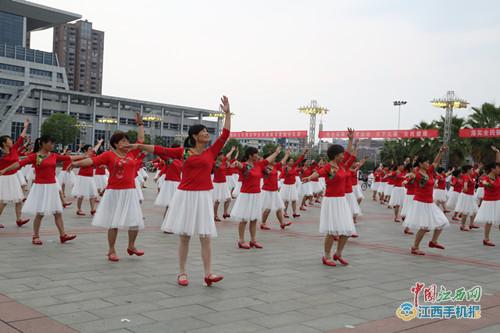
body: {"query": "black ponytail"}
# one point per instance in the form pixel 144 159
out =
pixel 249 152
pixel 40 141
pixel 190 141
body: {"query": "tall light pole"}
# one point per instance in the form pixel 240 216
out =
pixel 107 122
pixel 398 104
pixel 312 110
pixel 152 119
pixel 449 102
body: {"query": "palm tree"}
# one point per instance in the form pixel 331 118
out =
pixel 487 116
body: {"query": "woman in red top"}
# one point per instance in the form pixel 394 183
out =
pixel 424 215
pixel 307 189
pixel 336 220
pixel 489 212
pixel 377 177
pixel 467 203
pixel 85 186
pixel 221 191
pixel 248 205
pixel 232 174
pixel 288 191
pixel 66 177
pixel 440 189
pixel 356 189
pixel 119 207
pixel 409 185
pixel 480 188
pixel 171 180
pixel 10 186
pixel 44 198
pixel 398 192
pixel 457 186
pixel 191 211
pixel 271 199
pixel 383 185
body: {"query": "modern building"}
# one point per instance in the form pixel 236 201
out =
pixel 80 49
pixel 289 143
pixel 32 84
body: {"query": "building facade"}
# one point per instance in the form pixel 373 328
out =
pixel 33 85
pixel 80 49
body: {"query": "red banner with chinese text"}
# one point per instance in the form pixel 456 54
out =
pixel 479 133
pixel 383 134
pixel 269 134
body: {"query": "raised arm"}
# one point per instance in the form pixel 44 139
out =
pixel 350 135
pixel 86 162
pixel 11 167
pixel 495 149
pixel 228 155
pixel 224 106
pixel 140 125
pixel 273 156
pixel 437 160
pixel 97 146
pixel 285 158
pixel 24 133
pixel 301 157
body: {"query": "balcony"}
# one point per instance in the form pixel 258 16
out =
pixel 22 53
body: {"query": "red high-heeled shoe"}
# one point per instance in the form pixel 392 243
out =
pixel 436 245
pixel 183 282
pixel 135 251
pixel 92 212
pixel 113 257
pixel 340 259
pixel 216 219
pixel 417 252
pixel 454 218
pixel 462 228
pixel 296 215
pixel 256 245
pixel 264 227
pixel 66 238
pixel 67 204
pixel 397 220
pixel 212 278
pixel 243 245
pixel 2 226
pixel 20 223
pixel 36 240
pixel 474 226
pixel 328 262
pixel 488 243
pixel 226 216
pixel 286 216
pixel 354 235
pixel 80 213
pixel 284 225
pixel 303 209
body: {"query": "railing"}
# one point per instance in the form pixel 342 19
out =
pixel 22 53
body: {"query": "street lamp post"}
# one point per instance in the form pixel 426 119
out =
pixel 449 102
pixel 398 104
pixel 107 122
pixel 153 120
pixel 312 110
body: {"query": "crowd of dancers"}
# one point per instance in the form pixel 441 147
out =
pixel 197 180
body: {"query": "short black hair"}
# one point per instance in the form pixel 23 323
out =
pixel 334 150
pixel 249 152
pixel 117 137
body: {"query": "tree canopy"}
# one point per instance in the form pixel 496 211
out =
pixel 62 127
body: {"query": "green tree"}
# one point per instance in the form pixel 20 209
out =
pixel 487 116
pixel 233 142
pixel 62 127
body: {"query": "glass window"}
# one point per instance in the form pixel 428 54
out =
pixel 11 29
pixel 8 82
pixel 16 128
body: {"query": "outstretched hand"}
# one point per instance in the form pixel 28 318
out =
pixel 350 133
pixel 224 106
pixel 495 149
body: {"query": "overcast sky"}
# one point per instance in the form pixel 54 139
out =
pixel 271 56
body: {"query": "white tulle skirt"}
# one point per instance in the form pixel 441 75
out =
pixel 425 216
pixel 10 189
pixel 440 195
pixel 322 183
pixel 298 183
pixel 166 194
pixel 101 182
pixel 119 209
pixel 272 200
pixel 358 193
pixel 230 182
pixel 289 193
pixel 375 186
pixel 20 177
pixel 397 196
pixel 353 204
pixel 160 181
pixel 306 190
pixel 316 187
pixel 221 192
pixel 43 199
pixel 66 178
pixel 248 207
pixel 489 213
pixel 480 193
pixel 138 188
pixel 143 174
pixel 388 189
pixel 29 173
pixel 157 173
pixel 237 189
pixel 407 204
pixel 451 203
pixel 191 213
pixel 382 188
pixel 85 187
pixel 336 217
pixel 466 204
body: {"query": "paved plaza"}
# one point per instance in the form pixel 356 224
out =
pixel 281 288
